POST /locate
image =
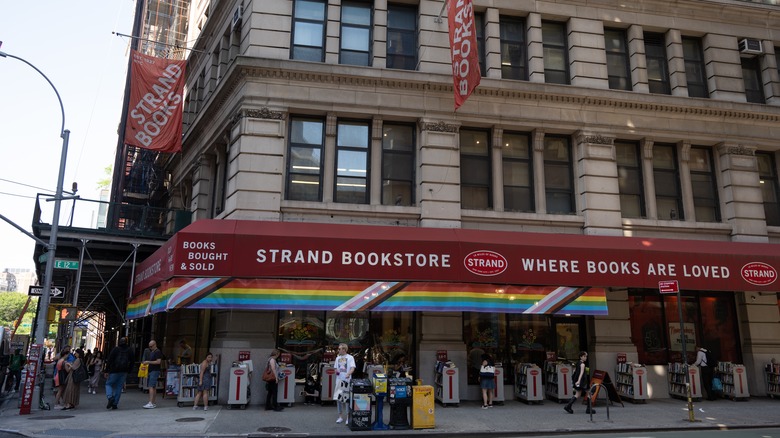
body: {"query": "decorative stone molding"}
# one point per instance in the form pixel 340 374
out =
pixel 738 149
pixel 262 113
pixel 685 150
pixel 440 126
pixel 598 139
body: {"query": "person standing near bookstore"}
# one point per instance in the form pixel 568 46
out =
pixel 205 381
pixel 15 366
pixel 118 363
pixel 345 366
pixel 154 360
pixel 579 379
pixel 706 371
pixel 272 387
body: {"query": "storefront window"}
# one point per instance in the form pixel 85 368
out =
pixel 709 320
pixel 528 338
pixel 381 338
pixel 484 333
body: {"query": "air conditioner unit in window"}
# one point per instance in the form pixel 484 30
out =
pixel 750 46
pixel 236 23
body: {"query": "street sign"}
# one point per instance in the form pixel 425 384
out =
pixel 57 292
pixel 66 264
pixel 668 287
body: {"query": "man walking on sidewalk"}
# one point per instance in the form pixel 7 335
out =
pixel 154 361
pixel 119 362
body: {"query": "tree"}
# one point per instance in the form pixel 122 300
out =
pixel 11 305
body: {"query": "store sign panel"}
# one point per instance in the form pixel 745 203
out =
pixel 256 249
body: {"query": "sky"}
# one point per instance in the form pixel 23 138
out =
pixel 71 42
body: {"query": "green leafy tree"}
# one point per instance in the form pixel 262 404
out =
pixel 11 305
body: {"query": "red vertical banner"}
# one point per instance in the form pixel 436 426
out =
pixel 463 45
pixel 154 114
pixel 33 360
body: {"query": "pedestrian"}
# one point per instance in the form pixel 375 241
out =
pixel 272 387
pixel 118 363
pixel 94 367
pixel 487 380
pixel 15 365
pixel 72 394
pixel 60 376
pixel 579 379
pixel 205 381
pixel 702 361
pixel 345 367
pixel 185 353
pixel 154 360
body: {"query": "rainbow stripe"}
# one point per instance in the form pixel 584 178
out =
pixel 262 294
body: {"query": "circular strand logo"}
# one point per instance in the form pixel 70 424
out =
pixel 485 263
pixel 759 273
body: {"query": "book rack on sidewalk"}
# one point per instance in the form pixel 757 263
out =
pixel 676 380
pixel 188 385
pixel 528 383
pixel 734 379
pixel 772 377
pixel 631 382
pixel 557 376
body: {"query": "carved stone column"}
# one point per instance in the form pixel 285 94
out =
pixel 439 174
pixel 599 194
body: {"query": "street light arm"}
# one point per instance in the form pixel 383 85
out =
pixel 62 108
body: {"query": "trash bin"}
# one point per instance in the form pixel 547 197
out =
pixel 422 407
pixel 360 404
pixel 400 396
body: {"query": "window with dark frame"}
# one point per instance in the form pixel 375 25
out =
pixel 401 37
pixel 630 182
pixel 308 33
pixel 398 149
pixel 703 185
pixel 304 159
pixel 770 187
pixel 513 49
pixel 558 182
pixel 666 173
pixel 352 162
pixel 618 65
pixel 556 53
pixel 694 67
pixel 479 25
pixel 219 185
pixel 751 75
pixel 355 33
pixel 517 165
pixel 657 66
pixel 475 175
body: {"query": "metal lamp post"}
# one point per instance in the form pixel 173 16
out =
pixel 41 326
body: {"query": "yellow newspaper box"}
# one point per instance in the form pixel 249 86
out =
pixel 422 407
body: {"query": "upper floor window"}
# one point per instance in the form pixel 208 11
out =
pixel 618 66
pixel 694 67
pixel 398 147
pixel 475 175
pixel 629 167
pixel 401 37
pixel 770 187
pixel 556 57
pixel 304 160
pixel 355 33
pixel 479 25
pixel 558 183
pixel 513 50
pixel 751 75
pixel 352 160
pixel 704 186
pixel 517 164
pixel 668 199
pixel 309 30
pixel 219 182
pixel 657 67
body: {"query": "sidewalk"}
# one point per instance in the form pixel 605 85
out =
pixel 91 419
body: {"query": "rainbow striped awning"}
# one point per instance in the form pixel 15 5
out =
pixel 354 296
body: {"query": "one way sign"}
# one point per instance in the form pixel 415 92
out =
pixel 57 292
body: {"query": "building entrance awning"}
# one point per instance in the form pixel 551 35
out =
pixel 224 255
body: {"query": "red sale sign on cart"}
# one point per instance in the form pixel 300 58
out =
pixel 29 382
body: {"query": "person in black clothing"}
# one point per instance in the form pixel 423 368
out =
pixel 272 387
pixel 119 362
pixel 706 371
pixel 580 380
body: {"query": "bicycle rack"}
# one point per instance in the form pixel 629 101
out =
pixel 591 391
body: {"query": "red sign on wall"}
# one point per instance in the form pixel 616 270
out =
pixel 668 286
pixel 441 355
pixel 243 355
pixel 621 358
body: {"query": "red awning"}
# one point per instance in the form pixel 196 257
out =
pixel 259 249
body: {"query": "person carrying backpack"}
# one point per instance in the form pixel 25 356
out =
pixel 119 362
pixel 706 364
